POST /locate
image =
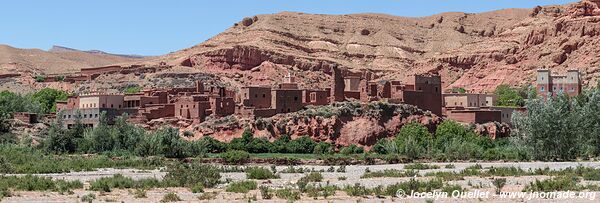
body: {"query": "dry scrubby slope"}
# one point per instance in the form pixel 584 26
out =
pixel 478 51
pixel 37 61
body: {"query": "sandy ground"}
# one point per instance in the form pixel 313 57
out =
pixel 475 184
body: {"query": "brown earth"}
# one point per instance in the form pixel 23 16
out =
pixel 475 51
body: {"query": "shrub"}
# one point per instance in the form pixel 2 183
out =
pixel 323 148
pixel 356 190
pixel 313 177
pixel 241 187
pixel 132 89
pixel 235 157
pixel 265 193
pixel 413 140
pixel 208 196
pixel 198 188
pixel 341 169
pixel 40 78
pixel 139 193
pixel 302 145
pixel 390 173
pixel 260 173
pixel 188 133
pixel 420 166
pixel 352 149
pixel 287 194
pixel 119 181
pixel 36 183
pixel 555 184
pixel 90 197
pixel 499 184
pixel 170 197
pixel 342 178
pixel 189 175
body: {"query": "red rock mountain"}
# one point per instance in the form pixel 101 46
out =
pixel 475 51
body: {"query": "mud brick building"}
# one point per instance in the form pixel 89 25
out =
pixel 192 107
pixel 468 100
pixel 476 108
pixel 552 85
pixel 426 93
pixel 315 97
pixel 88 107
pixel 26 117
pixel 475 115
pixel 187 103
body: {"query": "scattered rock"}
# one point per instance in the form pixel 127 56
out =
pixel 247 21
pixel 365 32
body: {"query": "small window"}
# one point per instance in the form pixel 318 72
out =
pixel 295 98
pixel 111 106
pixel 264 95
pixel 96 115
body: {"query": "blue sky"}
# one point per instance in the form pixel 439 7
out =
pixel 150 27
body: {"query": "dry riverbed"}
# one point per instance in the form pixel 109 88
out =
pixel 476 186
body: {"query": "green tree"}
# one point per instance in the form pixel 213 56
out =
pixel 458 89
pixel 413 140
pixel 302 145
pixel 59 140
pixel 47 97
pixel 550 129
pixel 508 96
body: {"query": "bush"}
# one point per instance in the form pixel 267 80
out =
pixel 139 193
pixel 302 145
pixel 265 193
pixel 40 78
pixel 499 184
pixel 241 187
pixel 352 149
pixel 312 177
pixel 198 188
pixel 235 157
pixel 413 140
pixel 288 194
pixel 390 173
pixel 323 148
pixel 90 197
pixel 119 181
pixel 170 197
pixel 189 175
pixel 420 166
pixel 554 184
pixel 36 183
pixel 260 173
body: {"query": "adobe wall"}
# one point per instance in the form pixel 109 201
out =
pixel 315 97
pixel 424 100
pixel 259 97
pixel 100 70
pixel 475 116
pixel 26 117
pixel 222 106
pixel 352 95
pixel 285 101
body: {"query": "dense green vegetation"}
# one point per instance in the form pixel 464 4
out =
pixel 565 128
pixel 131 89
pixel 515 97
pixel 451 141
pixel 42 101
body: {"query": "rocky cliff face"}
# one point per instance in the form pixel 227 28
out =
pixel 474 51
pixel 342 124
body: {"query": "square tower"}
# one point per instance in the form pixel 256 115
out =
pixel 543 82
